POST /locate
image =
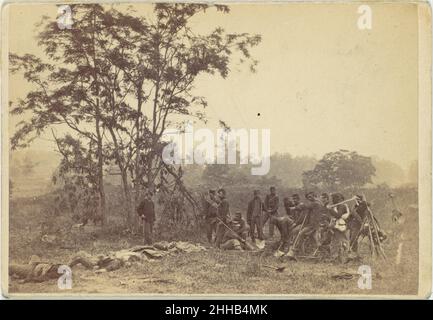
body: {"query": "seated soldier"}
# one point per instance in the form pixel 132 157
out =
pixel 235 235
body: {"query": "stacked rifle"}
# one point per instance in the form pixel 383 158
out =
pixel 370 229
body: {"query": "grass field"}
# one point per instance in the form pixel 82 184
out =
pixel 212 271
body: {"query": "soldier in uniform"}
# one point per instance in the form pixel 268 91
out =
pixel 340 243
pixel 271 208
pixel 146 211
pixel 235 236
pixel 211 211
pixel 223 216
pixel 296 209
pixel 288 204
pixel 357 221
pixel 224 207
pixel 314 214
pixel 255 216
pixel 324 198
pixel 285 226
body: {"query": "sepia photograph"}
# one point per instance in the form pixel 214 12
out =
pixel 239 149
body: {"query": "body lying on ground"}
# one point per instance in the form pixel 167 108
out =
pixel 35 271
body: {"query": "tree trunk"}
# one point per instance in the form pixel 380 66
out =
pixel 128 198
pixel 137 170
pixel 101 206
pixel 124 173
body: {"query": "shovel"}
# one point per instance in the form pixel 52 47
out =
pixel 278 269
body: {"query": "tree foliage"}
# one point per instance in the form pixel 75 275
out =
pixel 339 170
pixel 117 80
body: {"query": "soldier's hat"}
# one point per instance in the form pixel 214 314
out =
pixel 337 197
pixel 222 191
pixel 310 194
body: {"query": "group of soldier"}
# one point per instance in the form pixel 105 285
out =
pixel 322 222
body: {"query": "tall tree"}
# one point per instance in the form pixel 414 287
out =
pixel 340 169
pixel 116 80
pixel 165 65
pixel 67 87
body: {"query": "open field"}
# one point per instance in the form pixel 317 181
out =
pixel 212 271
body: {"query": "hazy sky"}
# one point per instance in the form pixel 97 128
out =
pixel 321 83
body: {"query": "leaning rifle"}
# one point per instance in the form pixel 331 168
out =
pixel 235 233
pixel 342 202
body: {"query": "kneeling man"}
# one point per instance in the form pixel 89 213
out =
pixel 236 235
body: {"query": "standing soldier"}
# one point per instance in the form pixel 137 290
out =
pixel 223 216
pixel 146 211
pixel 271 208
pixel 340 243
pixel 223 208
pixel 324 198
pixel 211 211
pixel 255 216
pixel 355 222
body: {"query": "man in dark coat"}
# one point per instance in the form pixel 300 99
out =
pixel 285 226
pixel 297 211
pixel 288 204
pixel 340 243
pixel 255 216
pixel 313 216
pixel 223 216
pixel 324 198
pixel 235 235
pixel 271 208
pixel 146 211
pixel 357 220
pixel 211 211
pixel 224 207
